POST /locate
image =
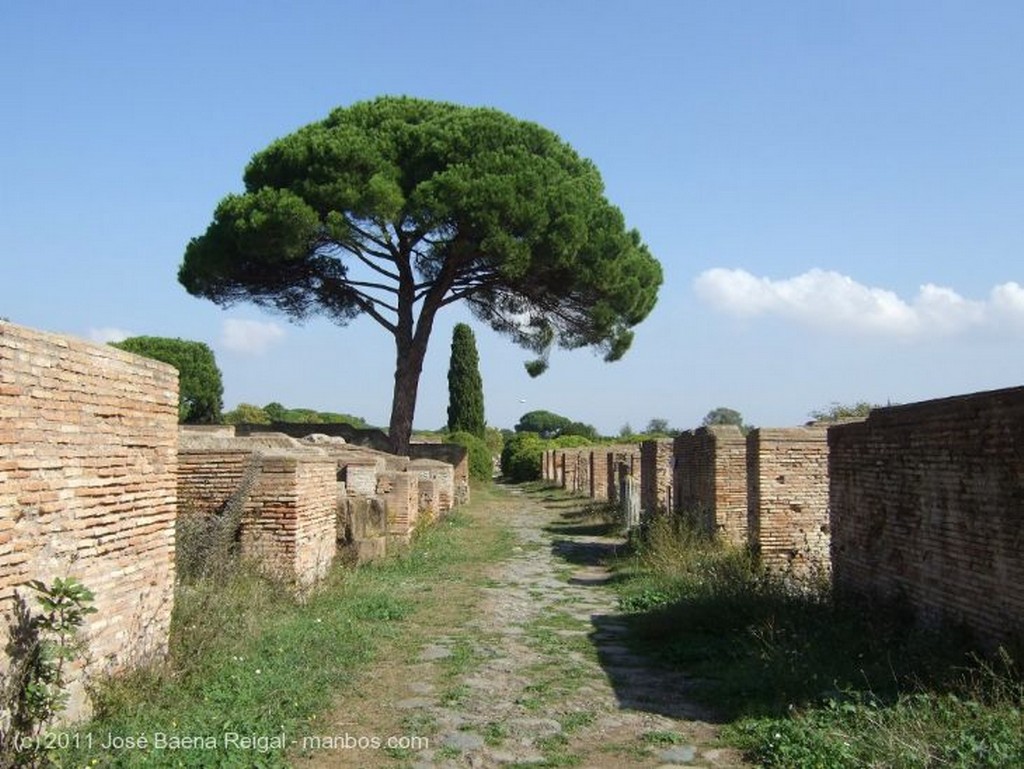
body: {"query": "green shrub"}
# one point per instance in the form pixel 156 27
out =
pixel 481 466
pixel 521 457
pixel 569 442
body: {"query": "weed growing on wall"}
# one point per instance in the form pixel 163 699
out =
pixel 206 544
pixel 42 646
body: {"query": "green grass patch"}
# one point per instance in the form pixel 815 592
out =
pixel 495 733
pixel 576 720
pixel 808 681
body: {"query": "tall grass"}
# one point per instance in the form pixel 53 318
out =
pixel 810 682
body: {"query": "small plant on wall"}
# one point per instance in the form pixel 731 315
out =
pixel 41 649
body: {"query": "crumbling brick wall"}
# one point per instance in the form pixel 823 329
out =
pixel 787 499
pixel 656 476
pixel 569 464
pixel 401 495
pixel 622 462
pixel 289 510
pixel 928 508
pixel 599 474
pixel 452 454
pixel 583 471
pixel 710 479
pixel 441 476
pixel 291 523
pixel 88 460
pixel 603 475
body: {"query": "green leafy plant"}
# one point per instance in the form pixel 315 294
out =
pixel 42 648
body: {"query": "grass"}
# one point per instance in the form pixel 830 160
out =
pixel 249 658
pixel 807 681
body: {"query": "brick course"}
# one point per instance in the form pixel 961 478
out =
pixel 656 476
pixel 289 514
pixel 710 479
pixel 787 498
pixel 928 507
pixel 88 460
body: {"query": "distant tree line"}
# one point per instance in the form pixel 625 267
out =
pixel 275 412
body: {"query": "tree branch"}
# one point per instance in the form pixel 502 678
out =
pixel 367 284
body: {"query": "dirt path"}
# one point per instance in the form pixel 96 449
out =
pixel 532 671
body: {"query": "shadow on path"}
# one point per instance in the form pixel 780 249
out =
pixel 639 683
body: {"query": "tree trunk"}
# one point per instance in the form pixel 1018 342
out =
pixel 408 366
pixel 411 348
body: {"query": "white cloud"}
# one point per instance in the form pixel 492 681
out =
pixel 108 334
pixel 824 298
pixel 1007 301
pixel 252 337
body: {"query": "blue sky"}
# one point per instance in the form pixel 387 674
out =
pixel 834 190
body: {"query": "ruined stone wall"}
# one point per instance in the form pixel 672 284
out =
pixel 569 466
pixel 710 479
pixel 453 454
pixel 787 498
pixel 291 522
pixel 288 497
pixel 928 507
pixel 401 495
pixel 88 460
pixel 371 438
pixel 442 476
pixel 366 437
pixel 603 471
pixel 583 471
pixel 362 528
pixel 620 465
pixel 599 474
pixel 656 476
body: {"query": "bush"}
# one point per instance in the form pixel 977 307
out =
pixel 521 457
pixel 569 442
pixel 481 466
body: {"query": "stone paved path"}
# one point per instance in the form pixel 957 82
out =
pixel 541 675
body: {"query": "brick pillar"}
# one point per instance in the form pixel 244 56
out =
pixel 787 498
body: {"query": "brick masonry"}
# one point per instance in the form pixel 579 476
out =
pixel 289 514
pixel 456 456
pixel 442 476
pixel 88 461
pixel 928 508
pixel 710 480
pixel 787 499
pixel 401 495
pixel 656 476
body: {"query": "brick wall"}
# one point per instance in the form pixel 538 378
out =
pixel 583 471
pixel 928 506
pixel 656 476
pixel 569 466
pixel 621 464
pixel 454 455
pixel 599 474
pixel 289 520
pixel 442 476
pixel 291 524
pixel 787 498
pixel 401 495
pixel 371 438
pixel 603 483
pixel 710 479
pixel 88 447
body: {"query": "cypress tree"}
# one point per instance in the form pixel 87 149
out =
pixel 465 387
